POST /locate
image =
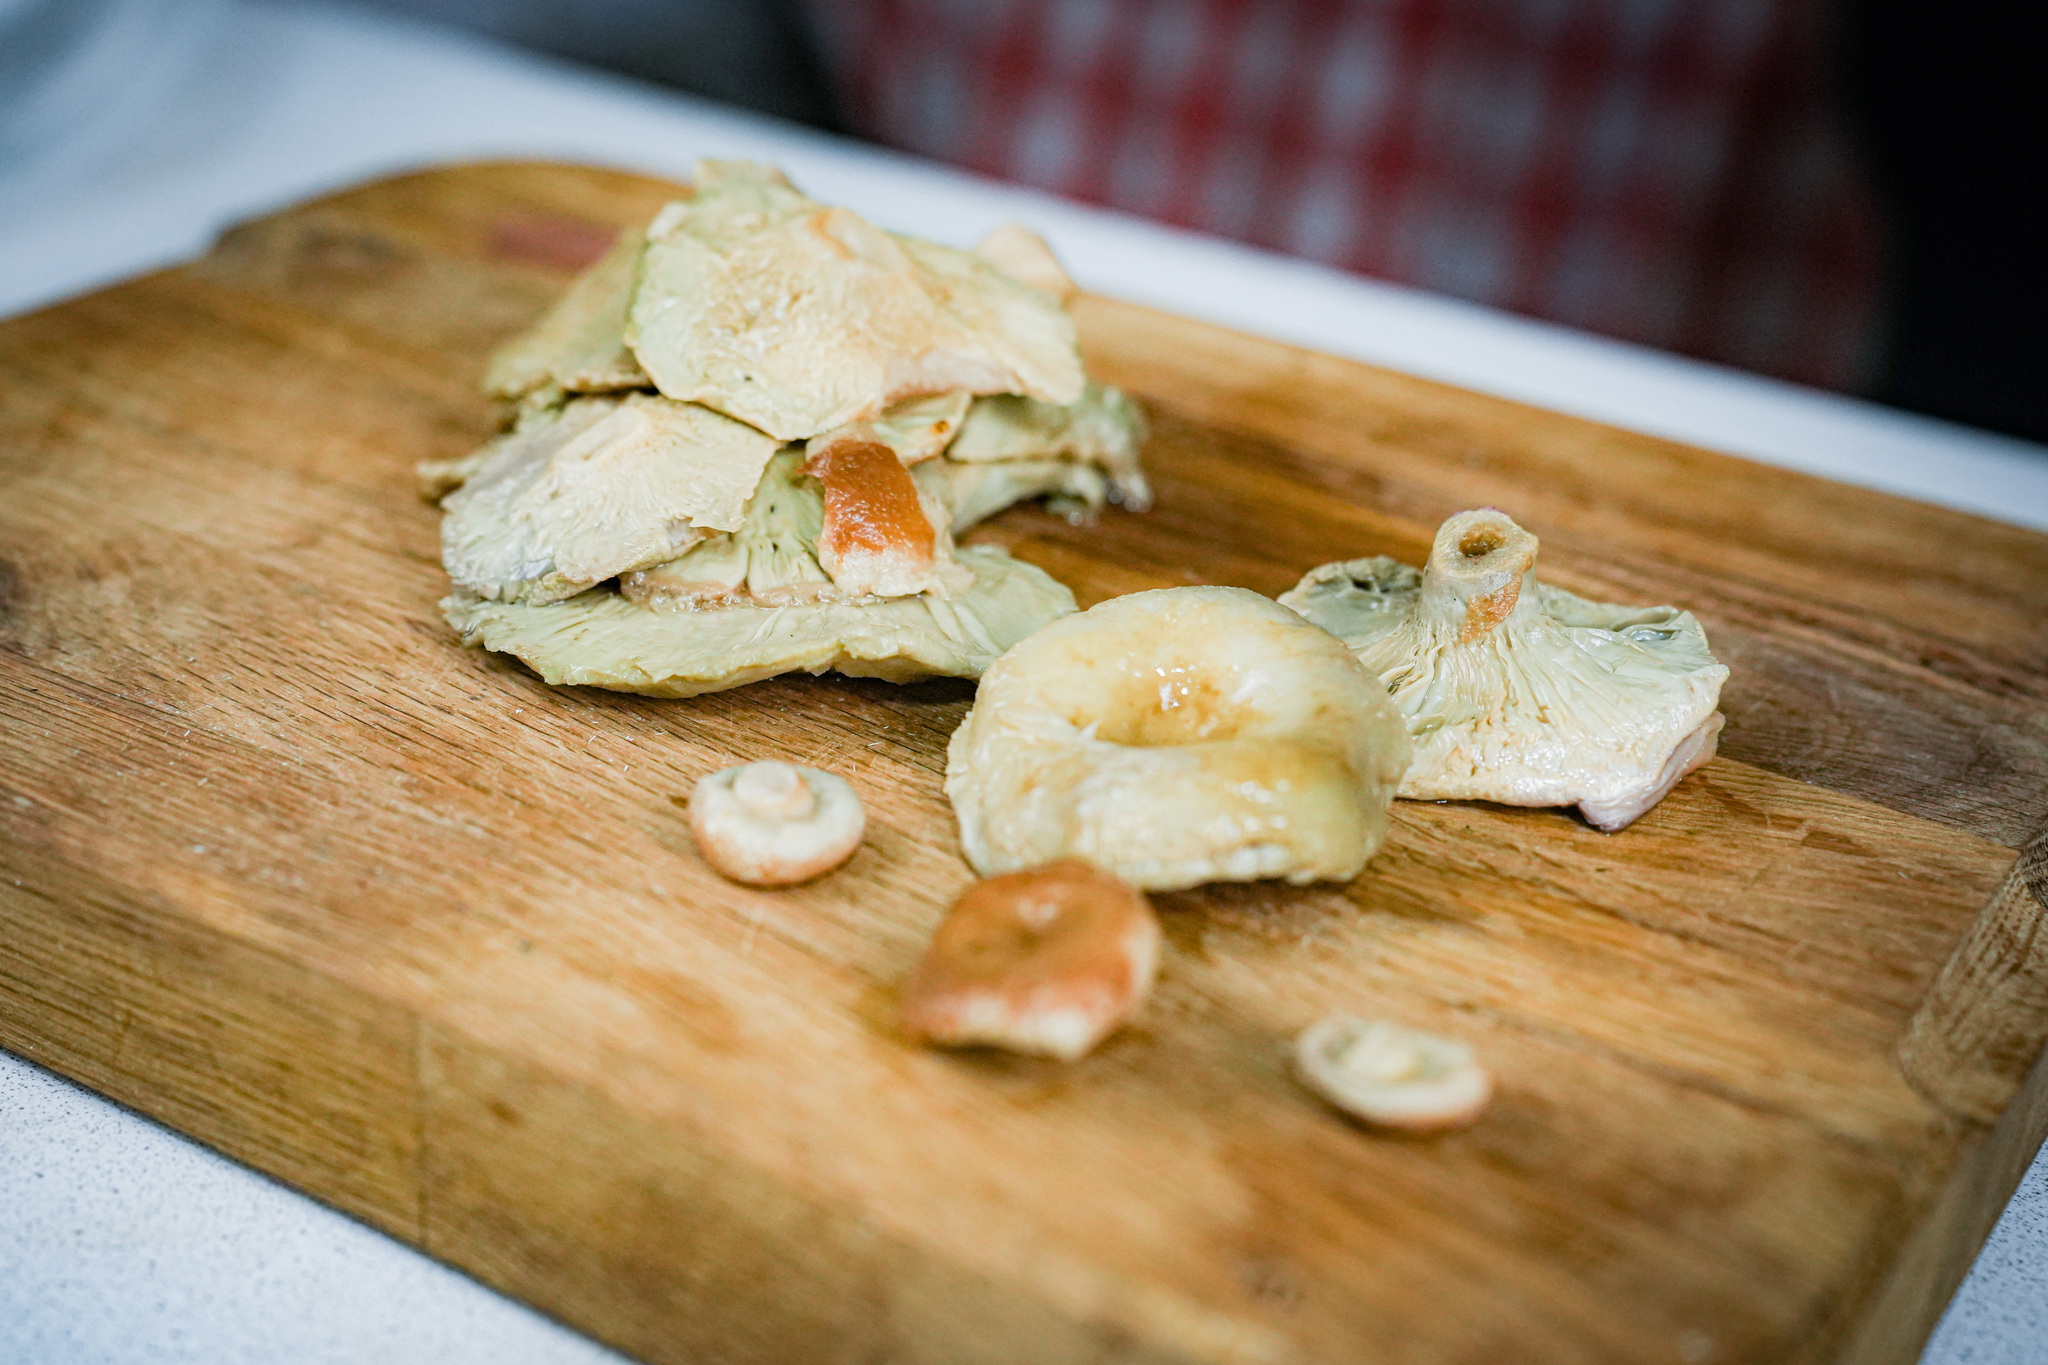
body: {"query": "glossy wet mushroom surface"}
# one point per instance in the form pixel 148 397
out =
pixel 1050 961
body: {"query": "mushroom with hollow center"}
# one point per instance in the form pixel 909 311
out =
pixel 1175 737
pixel 1050 960
pixel 1519 692
pixel 775 824
pixel 1393 1076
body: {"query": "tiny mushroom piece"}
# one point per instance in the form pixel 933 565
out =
pixel 1049 960
pixel 1392 1076
pixel 775 824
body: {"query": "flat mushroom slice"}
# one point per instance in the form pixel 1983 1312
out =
pixel 971 493
pixel 798 318
pixel 1392 1076
pixel 1175 737
pixel 775 824
pixel 438 478
pixel 1051 960
pixel 771 560
pixel 578 345
pixel 1105 428
pixel 604 487
pixel 1518 692
pixel 1023 255
pixel 921 428
pixel 600 639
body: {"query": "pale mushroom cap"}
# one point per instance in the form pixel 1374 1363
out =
pixel 972 493
pixel 1023 255
pixel 1519 692
pixel 1176 737
pixel 921 428
pixel 579 344
pixel 602 639
pixel 1393 1076
pixel 775 824
pixel 1104 428
pixel 1049 960
pixel 798 318
pixel 601 488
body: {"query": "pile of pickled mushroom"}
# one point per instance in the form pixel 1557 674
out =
pixel 744 440
pixel 1519 692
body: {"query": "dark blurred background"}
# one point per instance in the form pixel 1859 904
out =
pixel 1842 193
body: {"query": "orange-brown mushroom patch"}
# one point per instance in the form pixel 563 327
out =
pixel 1049 960
pixel 876 538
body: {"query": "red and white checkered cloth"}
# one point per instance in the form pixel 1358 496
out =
pixel 1666 171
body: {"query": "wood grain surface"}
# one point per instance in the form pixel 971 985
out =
pixel 283 865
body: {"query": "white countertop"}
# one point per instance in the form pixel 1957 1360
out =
pixel 121 1242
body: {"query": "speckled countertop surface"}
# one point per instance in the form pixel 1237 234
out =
pixel 123 1243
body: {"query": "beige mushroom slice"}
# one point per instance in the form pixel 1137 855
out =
pixel 1048 961
pixel 921 428
pixel 798 318
pixel 1105 428
pixel 1023 255
pixel 1176 737
pixel 1519 692
pixel 579 345
pixel 604 487
pixel 879 536
pixel 775 824
pixel 601 639
pixel 772 560
pixel 1392 1076
pixel 971 493
pixel 438 478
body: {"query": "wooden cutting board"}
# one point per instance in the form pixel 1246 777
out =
pixel 284 866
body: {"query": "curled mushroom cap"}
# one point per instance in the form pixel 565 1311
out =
pixel 1393 1076
pixel 774 824
pixel 1175 737
pixel 579 345
pixel 1051 960
pixel 1023 255
pixel 1519 692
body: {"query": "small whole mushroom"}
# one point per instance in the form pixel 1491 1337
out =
pixel 775 824
pixel 1392 1076
pixel 1050 960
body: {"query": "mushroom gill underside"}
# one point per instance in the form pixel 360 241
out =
pixel 1517 691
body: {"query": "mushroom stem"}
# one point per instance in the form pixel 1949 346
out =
pixel 773 791
pixel 1473 580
